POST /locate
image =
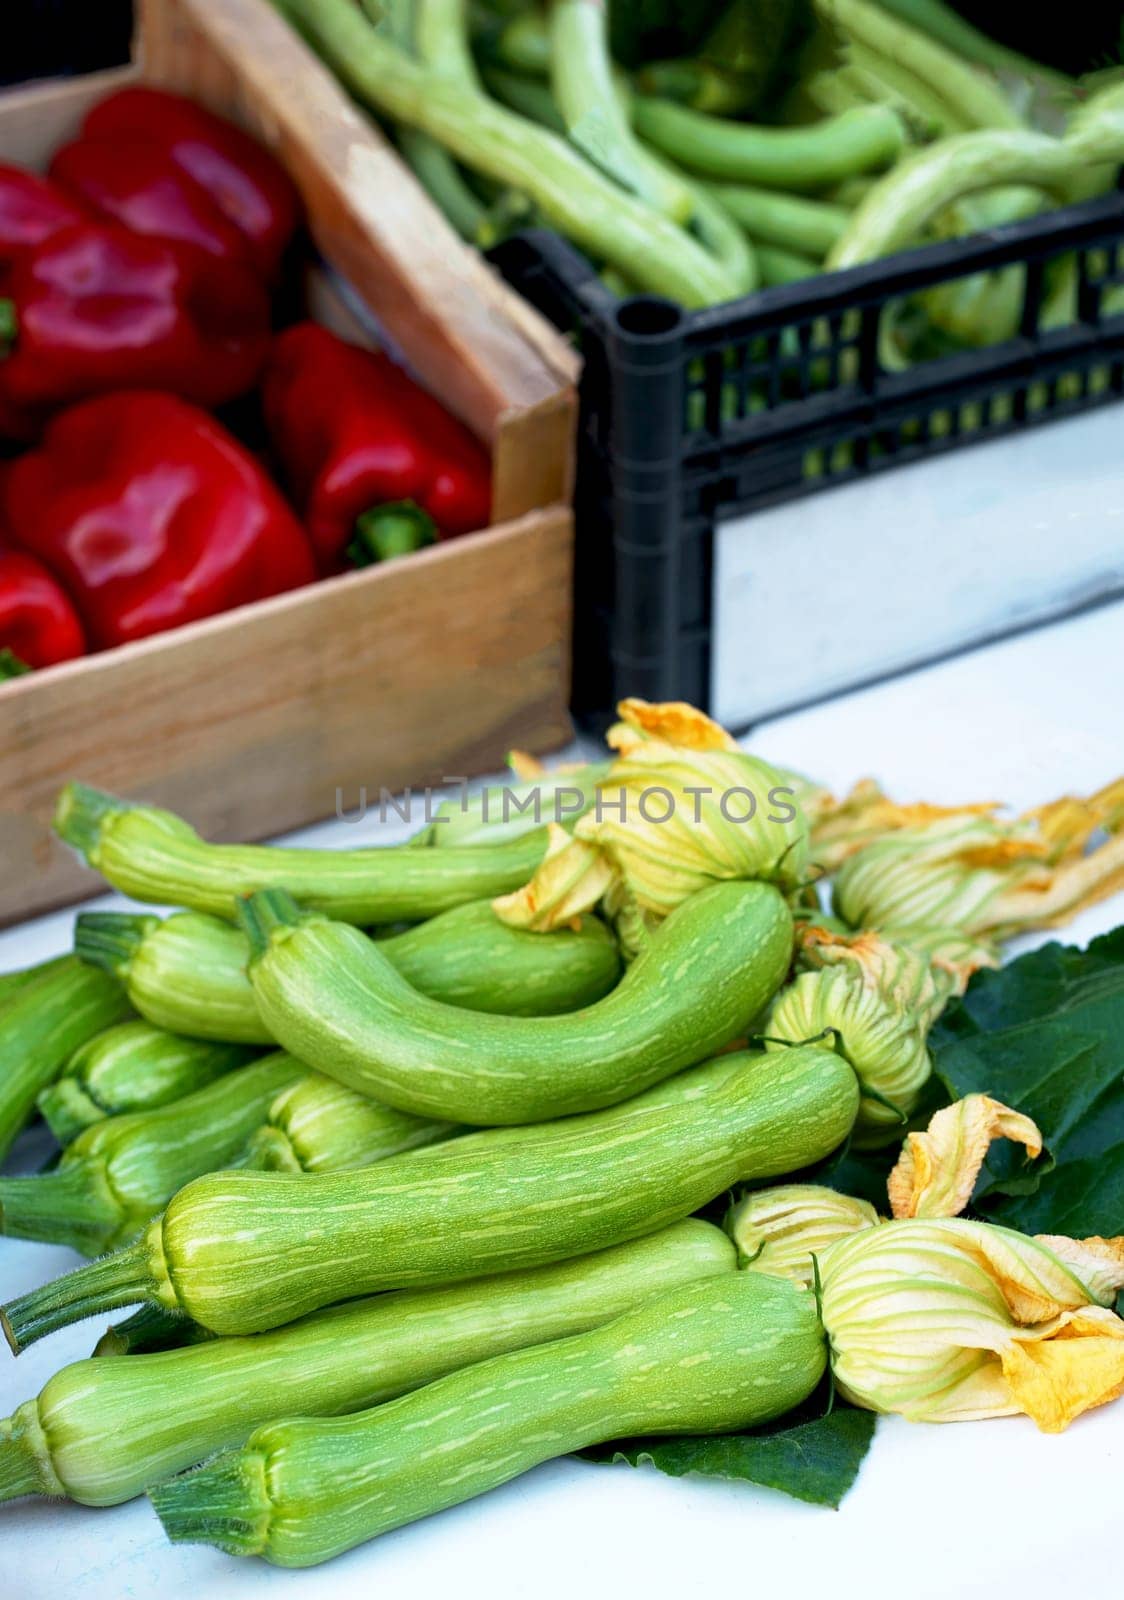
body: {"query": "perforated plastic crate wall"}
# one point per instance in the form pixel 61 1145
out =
pixel 690 417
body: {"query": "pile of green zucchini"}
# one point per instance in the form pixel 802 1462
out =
pixel 798 137
pixel 408 1195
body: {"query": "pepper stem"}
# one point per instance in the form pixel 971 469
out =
pixel 261 914
pixel 111 939
pixel 80 814
pixel 121 1279
pixel 390 530
pixel 71 1205
pixel 223 1503
pixel 9 325
pixel 10 664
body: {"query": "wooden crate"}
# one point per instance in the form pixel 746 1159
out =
pixel 437 664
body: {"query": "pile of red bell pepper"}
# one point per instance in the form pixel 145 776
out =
pixel 136 293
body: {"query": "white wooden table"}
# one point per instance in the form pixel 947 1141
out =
pixel 986 1510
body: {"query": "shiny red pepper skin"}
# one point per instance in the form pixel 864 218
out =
pixel 99 308
pixel 352 432
pixel 38 624
pixel 248 185
pixel 140 186
pixel 151 515
pixel 31 210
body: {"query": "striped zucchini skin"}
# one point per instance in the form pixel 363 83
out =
pixel 121 1171
pixel 329 996
pixel 710 1357
pixel 103 1431
pixel 318 1125
pixel 154 856
pixel 242 1251
pixel 11 981
pixel 132 1067
pixel 468 957
pixel 41 1025
pixel 187 973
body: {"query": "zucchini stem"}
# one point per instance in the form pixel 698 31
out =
pixel 110 939
pixel 116 1280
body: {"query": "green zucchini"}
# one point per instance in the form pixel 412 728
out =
pixel 317 1125
pixel 717 1356
pixel 121 1171
pixel 154 856
pixel 242 1251
pixel 187 973
pixel 103 1431
pixel 510 810
pixel 328 994
pixel 132 1067
pixel 11 981
pixel 41 1025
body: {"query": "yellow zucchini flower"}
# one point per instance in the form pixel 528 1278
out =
pixel 681 807
pixel 953 1321
pixel 986 875
pixel 778 1230
pixel 879 997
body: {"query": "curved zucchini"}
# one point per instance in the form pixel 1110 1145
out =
pixel 328 994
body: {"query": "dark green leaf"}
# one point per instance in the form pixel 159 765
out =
pixel 1044 1035
pixel 815 1460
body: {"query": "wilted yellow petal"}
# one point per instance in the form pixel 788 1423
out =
pixel 1075 1367
pixel 937 1170
pixel 671 721
pixel 840 828
pixel 525 767
pixel 1099 1263
pixel 778 1230
pixel 570 879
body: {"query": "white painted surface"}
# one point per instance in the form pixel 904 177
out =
pixel 915 562
pixel 980 1512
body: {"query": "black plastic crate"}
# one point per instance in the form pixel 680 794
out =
pixel 689 417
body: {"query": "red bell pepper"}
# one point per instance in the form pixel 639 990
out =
pixel 31 210
pixel 151 515
pixel 244 180
pixel 140 186
pixel 95 308
pixel 354 434
pixel 38 624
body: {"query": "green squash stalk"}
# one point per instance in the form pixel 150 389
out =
pixel 582 80
pixel 155 856
pixel 328 994
pixel 570 193
pixel 864 139
pixel 42 1023
pixel 121 1171
pixel 239 1252
pixel 187 973
pixel 319 1126
pixel 103 1431
pixel 132 1067
pixel 711 1357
